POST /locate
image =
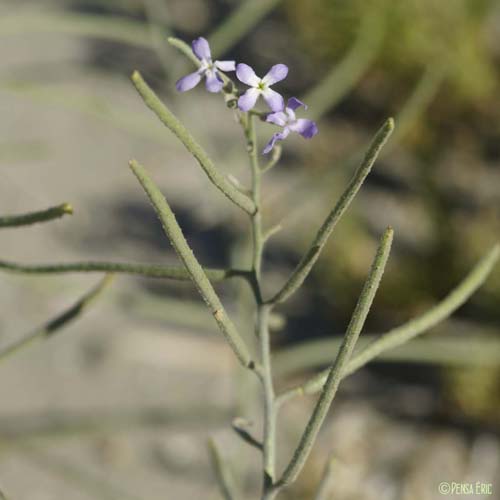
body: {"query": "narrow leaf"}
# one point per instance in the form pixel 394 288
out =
pixel 177 128
pixel 305 265
pixel 34 217
pixel 402 334
pixel 241 427
pixel 178 241
pixel 335 373
pixel 146 270
pixel 58 322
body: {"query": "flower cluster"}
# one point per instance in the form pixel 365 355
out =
pixel 281 115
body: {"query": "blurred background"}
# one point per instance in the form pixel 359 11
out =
pixel 120 404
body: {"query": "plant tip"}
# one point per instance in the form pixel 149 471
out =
pixel 67 208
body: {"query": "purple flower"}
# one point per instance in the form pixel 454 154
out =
pixel 210 70
pixel 261 86
pixel 290 123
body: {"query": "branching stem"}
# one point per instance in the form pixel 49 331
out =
pixel 263 313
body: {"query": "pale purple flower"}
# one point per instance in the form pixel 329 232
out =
pixel 290 123
pixel 261 86
pixel 208 69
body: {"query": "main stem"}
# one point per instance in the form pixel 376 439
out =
pixel 263 311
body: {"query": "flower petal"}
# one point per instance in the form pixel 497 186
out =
pixel 274 100
pixel 277 73
pixel 201 48
pixel 294 103
pixel 247 101
pixel 213 82
pixel 225 65
pixel 247 75
pixel 279 136
pixel 306 128
pixel 279 118
pixel 188 82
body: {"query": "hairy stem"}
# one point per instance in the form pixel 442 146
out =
pixel 263 313
pixel 177 128
pixel 185 49
pixel 34 217
pixel 200 279
pixel 306 264
pixel 412 328
pixel 258 240
pixel 241 427
pixel 269 438
pixel 145 270
pixel 335 373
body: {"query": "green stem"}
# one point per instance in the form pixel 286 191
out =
pixel 274 160
pixel 240 426
pixel 412 328
pixel 183 47
pixel 335 373
pixel 57 323
pixel 34 217
pixel 269 437
pixel 177 128
pixel 271 232
pixel 146 270
pixel 263 313
pixel 178 241
pixel 306 264
pixel 449 350
pixel 453 301
pixel 258 242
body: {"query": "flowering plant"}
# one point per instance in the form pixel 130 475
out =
pixel 281 115
pixel 254 354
